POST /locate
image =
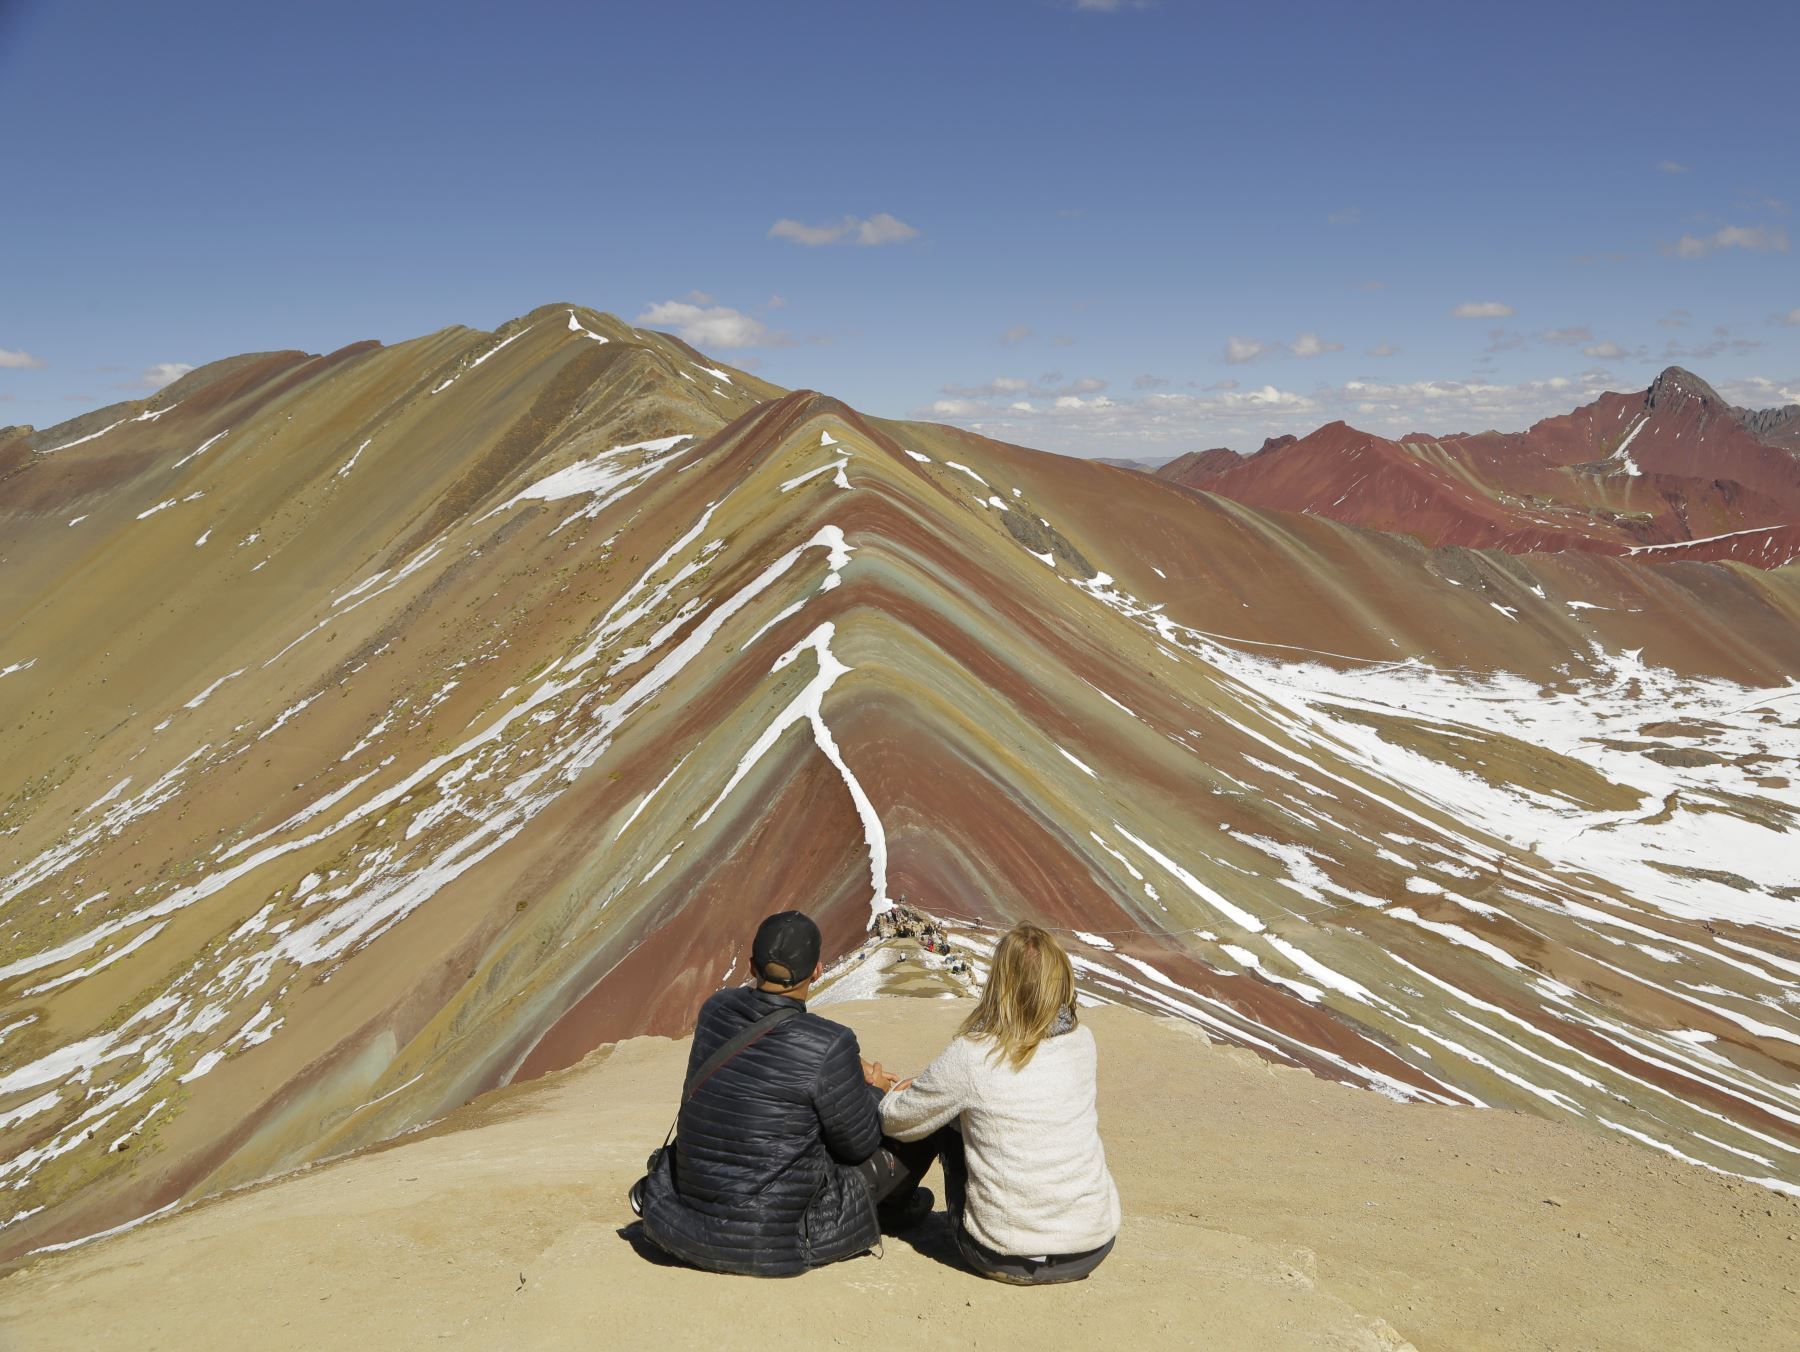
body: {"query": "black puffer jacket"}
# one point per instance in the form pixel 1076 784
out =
pixel 763 1179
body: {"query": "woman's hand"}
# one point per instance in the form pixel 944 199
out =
pixel 903 1084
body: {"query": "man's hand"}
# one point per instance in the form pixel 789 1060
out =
pixel 875 1075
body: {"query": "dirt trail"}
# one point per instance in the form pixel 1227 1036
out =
pixel 1264 1209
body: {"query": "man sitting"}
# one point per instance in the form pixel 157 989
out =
pixel 764 1178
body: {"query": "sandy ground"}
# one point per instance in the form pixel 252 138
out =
pixel 1264 1209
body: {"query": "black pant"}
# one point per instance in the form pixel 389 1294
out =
pixel 894 1172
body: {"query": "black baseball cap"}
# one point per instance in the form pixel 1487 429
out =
pixel 786 948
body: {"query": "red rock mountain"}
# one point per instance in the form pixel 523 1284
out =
pixel 1674 470
pixel 1197 465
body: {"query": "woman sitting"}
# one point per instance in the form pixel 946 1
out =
pixel 1009 1109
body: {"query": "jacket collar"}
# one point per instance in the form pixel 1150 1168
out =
pixel 774 999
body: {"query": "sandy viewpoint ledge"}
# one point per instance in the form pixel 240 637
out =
pixel 1264 1209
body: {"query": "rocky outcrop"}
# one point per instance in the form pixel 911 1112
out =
pixel 1678 384
pixel 1776 426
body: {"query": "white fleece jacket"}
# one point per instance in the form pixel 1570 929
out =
pixel 1038 1182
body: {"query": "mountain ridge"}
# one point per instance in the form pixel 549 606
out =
pixel 1675 470
pixel 394 727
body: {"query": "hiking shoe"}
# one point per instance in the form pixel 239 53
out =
pixel 636 1198
pixel 907 1214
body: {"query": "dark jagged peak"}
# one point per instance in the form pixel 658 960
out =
pixel 1678 384
pixel 1778 427
pixel 1772 426
pixel 1276 443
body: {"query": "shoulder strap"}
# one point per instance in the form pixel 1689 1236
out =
pixel 749 1033
pixel 744 1036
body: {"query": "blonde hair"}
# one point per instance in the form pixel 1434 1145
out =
pixel 1028 985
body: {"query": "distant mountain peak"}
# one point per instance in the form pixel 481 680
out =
pixel 1196 467
pixel 1676 384
pixel 1773 426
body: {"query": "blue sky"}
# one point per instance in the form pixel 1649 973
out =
pixel 1090 225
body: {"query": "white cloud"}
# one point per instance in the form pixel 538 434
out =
pixel 156 376
pixel 1382 350
pixel 1760 391
pixel 1672 166
pixel 1110 6
pixel 1791 318
pixel 1268 397
pixel 1482 309
pixel 1719 344
pixel 1348 216
pixel 811 235
pixel 1311 345
pixel 1754 238
pixel 882 228
pixel 1051 386
pixel 998 386
pixel 709 326
pixel 1239 349
pixel 1569 337
pixel 1229 415
pixel 19 360
pixel 878 229
pixel 1150 382
pixel 1018 333
pixel 1606 351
